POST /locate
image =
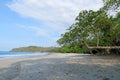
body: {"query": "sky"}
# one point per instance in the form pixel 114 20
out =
pixel 38 22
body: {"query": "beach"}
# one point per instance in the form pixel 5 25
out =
pixel 58 66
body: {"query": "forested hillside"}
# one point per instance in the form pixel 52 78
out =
pixel 36 49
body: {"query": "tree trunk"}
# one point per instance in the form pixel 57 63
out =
pixel 97 41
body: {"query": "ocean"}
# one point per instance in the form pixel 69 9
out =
pixel 8 55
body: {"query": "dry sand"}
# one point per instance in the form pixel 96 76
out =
pixel 61 67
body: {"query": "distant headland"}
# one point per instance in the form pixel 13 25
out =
pixel 35 49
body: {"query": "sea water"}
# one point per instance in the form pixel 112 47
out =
pixel 7 55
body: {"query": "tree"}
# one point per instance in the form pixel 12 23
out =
pixel 94 29
pixel 111 4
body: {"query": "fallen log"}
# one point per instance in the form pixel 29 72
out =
pixel 103 47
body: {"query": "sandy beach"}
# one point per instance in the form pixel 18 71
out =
pixel 61 67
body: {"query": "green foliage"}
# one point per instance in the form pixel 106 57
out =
pixel 36 49
pixel 65 49
pixel 95 28
pixel 69 49
pixel 111 4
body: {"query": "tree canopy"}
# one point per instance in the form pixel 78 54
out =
pixel 111 4
pixel 92 28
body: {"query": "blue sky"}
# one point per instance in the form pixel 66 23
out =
pixel 38 22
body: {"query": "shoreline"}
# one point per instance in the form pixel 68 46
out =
pixel 57 66
pixel 13 55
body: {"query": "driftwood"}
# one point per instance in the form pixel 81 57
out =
pixel 103 47
pixel 106 48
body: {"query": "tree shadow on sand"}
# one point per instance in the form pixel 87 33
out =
pixel 69 68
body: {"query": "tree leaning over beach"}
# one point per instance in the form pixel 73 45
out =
pixel 93 28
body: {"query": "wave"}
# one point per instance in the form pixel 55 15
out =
pixel 20 55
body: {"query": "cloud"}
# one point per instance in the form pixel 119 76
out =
pixel 38 31
pixel 41 32
pixel 56 14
